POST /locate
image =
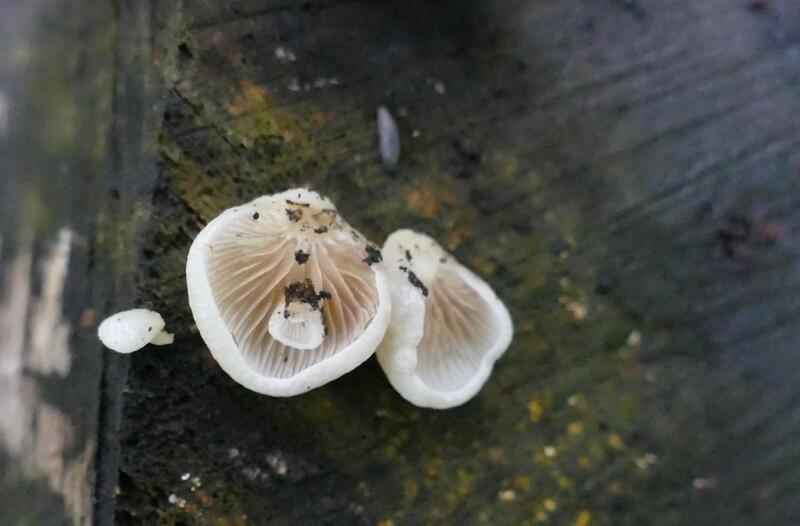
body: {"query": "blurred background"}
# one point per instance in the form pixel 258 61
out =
pixel 624 173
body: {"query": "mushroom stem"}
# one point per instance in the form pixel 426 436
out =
pixel 163 338
pixel 298 325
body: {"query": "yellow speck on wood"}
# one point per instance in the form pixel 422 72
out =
pixel 584 518
pixel 410 489
pixel 550 505
pixel 615 441
pixel 564 482
pixel 422 201
pixel 251 97
pixel 454 238
pixel 522 482
pixel 535 411
pixel 575 428
pixel 536 279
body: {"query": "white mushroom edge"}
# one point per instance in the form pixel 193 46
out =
pixel 218 336
pixel 419 271
pixel 128 331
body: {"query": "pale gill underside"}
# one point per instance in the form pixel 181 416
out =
pixel 250 262
pixel 460 328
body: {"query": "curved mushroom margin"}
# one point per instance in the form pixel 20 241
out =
pixel 397 354
pixel 226 352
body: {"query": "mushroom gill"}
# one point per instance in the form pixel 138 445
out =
pixel 447 329
pixel 293 286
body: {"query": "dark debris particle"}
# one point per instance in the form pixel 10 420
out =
pixel 255 216
pixel 373 255
pixel 301 257
pixel 736 232
pixel 408 256
pixel 321 230
pixel 442 260
pixel 149 329
pixel 294 214
pixel 417 283
pixel 285 314
pixel 633 7
pixel 758 5
pixel 304 292
pixel 295 203
pixel 403 268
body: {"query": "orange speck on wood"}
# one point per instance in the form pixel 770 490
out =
pixel 615 441
pixel 584 518
pixel 423 202
pixel 87 318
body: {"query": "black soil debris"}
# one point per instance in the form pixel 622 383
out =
pixel 301 257
pixel 373 255
pixel 408 256
pixel 256 216
pixel 304 292
pixel 294 214
pixel 295 203
pixel 321 230
pixel 417 283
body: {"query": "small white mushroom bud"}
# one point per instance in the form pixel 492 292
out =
pixel 129 331
pixel 286 294
pixel 448 327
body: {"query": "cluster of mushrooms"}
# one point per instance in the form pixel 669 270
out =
pixel 288 296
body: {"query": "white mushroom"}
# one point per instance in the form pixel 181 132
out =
pixel 448 327
pixel 129 331
pixel 286 294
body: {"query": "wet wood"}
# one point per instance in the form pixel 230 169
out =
pixel 624 174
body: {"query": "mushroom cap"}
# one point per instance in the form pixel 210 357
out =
pixel 129 331
pixel 447 329
pixel 283 256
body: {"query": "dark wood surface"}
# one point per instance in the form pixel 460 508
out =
pixel 625 174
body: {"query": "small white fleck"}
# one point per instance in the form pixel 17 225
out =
pixel 415 134
pixel 701 484
pixel 233 452
pixel 439 87
pixel 285 54
pixel 172 498
pixel 388 138
pixel 186 476
pixel 278 464
pixel 508 495
pixel 294 84
pixel 550 451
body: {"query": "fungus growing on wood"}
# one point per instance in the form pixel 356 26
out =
pixel 285 294
pixel 129 331
pixel 448 327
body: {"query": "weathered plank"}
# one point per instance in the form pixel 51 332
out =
pixel 624 173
